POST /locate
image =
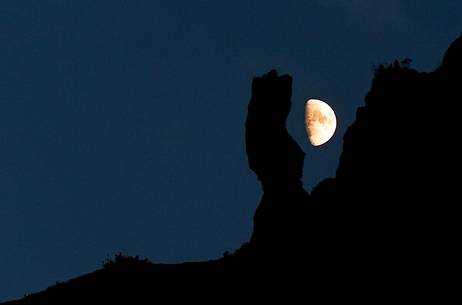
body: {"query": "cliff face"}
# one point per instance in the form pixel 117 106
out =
pixel 395 190
pixel 401 149
pixel 389 216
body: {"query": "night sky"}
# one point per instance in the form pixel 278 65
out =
pixel 122 122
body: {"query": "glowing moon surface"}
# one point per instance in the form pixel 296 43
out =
pixel 320 121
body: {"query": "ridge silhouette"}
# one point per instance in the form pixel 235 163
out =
pixel 386 225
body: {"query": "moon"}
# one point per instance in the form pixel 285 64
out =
pixel 320 121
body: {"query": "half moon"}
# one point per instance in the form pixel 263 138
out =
pixel 320 121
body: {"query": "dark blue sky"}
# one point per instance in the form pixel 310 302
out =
pixel 121 122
